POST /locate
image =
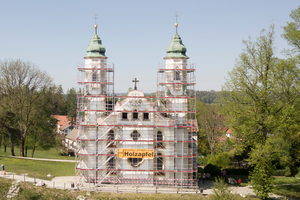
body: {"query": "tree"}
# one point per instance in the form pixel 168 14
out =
pixel 58 101
pixel 211 122
pixel 261 178
pixel 291 32
pixel 42 131
pixel 221 160
pixel 260 88
pixel 20 83
pixel 261 99
pixel 7 130
pixel 71 104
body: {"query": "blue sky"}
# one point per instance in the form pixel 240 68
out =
pixel 54 35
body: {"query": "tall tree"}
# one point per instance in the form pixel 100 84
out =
pixel 211 123
pixel 291 32
pixel 42 131
pixel 58 101
pixel 71 104
pixel 258 96
pixel 20 83
pixel 8 130
pixel 259 89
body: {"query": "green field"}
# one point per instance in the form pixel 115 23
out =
pixel 49 154
pixel 291 191
pixel 41 168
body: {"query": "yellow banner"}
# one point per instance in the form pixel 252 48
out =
pixel 135 153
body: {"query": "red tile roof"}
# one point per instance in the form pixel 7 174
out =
pixel 62 121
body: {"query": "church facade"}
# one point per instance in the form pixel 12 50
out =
pixel 137 139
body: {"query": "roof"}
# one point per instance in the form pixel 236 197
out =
pixel 62 121
pixel 95 48
pixel 72 135
pixel 176 48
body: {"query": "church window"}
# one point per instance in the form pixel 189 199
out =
pixel 146 116
pixel 94 75
pixel 135 135
pixel 111 135
pixel 135 115
pixel 111 161
pixel 159 138
pixel 177 74
pixel 159 162
pixel 124 116
pixel 135 162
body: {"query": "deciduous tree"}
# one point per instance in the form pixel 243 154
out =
pixel 71 104
pixel 259 90
pixel 20 83
pixel 211 123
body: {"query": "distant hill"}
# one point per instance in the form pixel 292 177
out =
pixel 208 96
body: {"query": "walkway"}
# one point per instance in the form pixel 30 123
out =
pixel 66 182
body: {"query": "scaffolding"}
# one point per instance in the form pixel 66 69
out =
pixel 165 123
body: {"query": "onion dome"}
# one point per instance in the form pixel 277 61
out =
pixel 176 48
pixel 95 48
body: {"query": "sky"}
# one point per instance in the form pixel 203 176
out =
pixel 54 35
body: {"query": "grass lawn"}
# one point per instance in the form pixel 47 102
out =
pixel 42 168
pixel 29 191
pixel 49 154
pixel 291 191
pixel 285 180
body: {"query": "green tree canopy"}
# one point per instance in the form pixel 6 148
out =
pixel 259 90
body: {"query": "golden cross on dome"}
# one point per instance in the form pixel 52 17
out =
pixel 95 17
pixel 176 15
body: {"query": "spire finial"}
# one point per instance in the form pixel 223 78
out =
pixel 95 17
pixel 135 81
pixel 176 24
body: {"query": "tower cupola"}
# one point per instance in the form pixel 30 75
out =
pixel 176 48
pixel 95 48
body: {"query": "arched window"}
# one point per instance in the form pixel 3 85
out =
pixel 159 161
pixel 177 74
pixel 135 135
pixel 111 135
pixel 94 75
pixel 135 162
pixel 159 138
pixel 135 115
pixel 111 161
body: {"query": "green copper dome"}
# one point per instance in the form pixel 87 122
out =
pixel 176 48
pixel 95 48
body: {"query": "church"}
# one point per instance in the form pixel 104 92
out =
pixel 137 139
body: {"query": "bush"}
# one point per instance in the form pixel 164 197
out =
pixel 222 160
pixel 298 173
pixel 238 171
pixel 200 170
pixel 202 160
pixel 221 191
pixel 212 169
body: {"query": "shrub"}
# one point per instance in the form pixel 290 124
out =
pixel 279 172
pixel 222 160
pixel 231 171
pixel 298 173
pixel 212 169
pixel 200 170
pixel 221 191
pixel 288 172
